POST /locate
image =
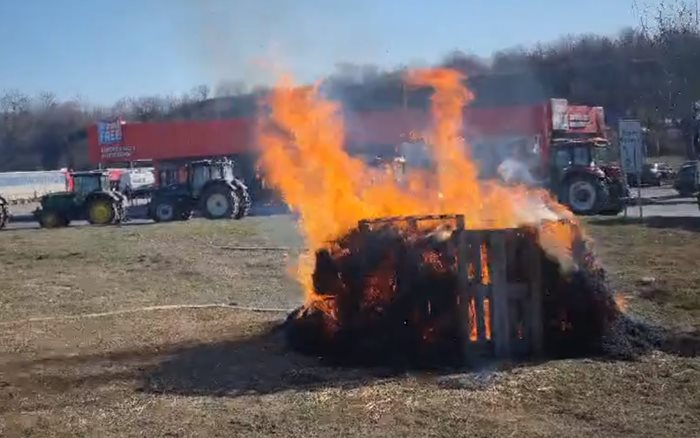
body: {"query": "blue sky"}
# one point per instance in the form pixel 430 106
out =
pixel 102 50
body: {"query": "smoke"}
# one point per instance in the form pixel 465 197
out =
pixel 514 171
pixel 253 42
pixel 229 42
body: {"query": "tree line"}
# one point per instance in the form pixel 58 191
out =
pixel 649 72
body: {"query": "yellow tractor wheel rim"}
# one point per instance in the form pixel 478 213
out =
pixel 101 212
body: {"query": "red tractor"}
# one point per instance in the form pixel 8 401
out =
pixel 563 148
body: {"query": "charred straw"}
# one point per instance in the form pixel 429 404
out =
pixel 389 294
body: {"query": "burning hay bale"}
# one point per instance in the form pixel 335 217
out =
pixel 398 291
pixel 423 289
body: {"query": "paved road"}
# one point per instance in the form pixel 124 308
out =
pixel 22 218
pixel 664 202
pixel 658 202
pixel 27 224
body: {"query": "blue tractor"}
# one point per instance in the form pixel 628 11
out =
pixel 210 188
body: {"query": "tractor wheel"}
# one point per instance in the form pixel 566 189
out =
pixel 121 214
pixel 51 219
pixel 184 214
pixel 244 204
pixel 4 213
pixel 164 210
pixel 120 207
pixel 102 211
pixel 219 202
pixel 585 195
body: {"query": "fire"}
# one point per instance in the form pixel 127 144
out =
pixel 483 254
pixel 303 154
pixel 621 301
pixel 381 285
pixel 558 238
pixel 487 318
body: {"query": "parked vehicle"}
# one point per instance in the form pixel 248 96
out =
pixel 652 175
pixel 29 186
pixel 210 187
pixel 89 199
pixel 666 171
pixel 686 182
pixel 139 182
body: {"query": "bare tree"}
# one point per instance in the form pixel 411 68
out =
pixel 200 93
pixel 14 102
pixel 145 109
pixel 46 100
pixel 229 89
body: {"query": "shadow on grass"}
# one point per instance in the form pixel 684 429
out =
pixel 688 223
pixel 255 365
pixel 264 365
pixel 258 365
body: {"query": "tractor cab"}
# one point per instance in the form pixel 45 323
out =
pixel 90 198
pixel 204 171
pixel 88 182
pixel 570 154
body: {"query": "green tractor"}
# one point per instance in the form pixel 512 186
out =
pixel 4 213
pixel 90 199
pixel 211 188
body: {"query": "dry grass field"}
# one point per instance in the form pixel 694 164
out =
pixel 69 367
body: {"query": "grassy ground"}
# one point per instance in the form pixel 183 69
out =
pixel 93 269
pixel 655 265
pixel 218 372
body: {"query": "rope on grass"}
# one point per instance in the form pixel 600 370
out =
pixel 261 248
pixel 145 309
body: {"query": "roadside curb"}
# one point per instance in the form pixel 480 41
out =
pixel 661 201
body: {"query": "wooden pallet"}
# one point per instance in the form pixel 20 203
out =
pixel 507 290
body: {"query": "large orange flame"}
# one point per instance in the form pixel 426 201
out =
pixel 302 139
